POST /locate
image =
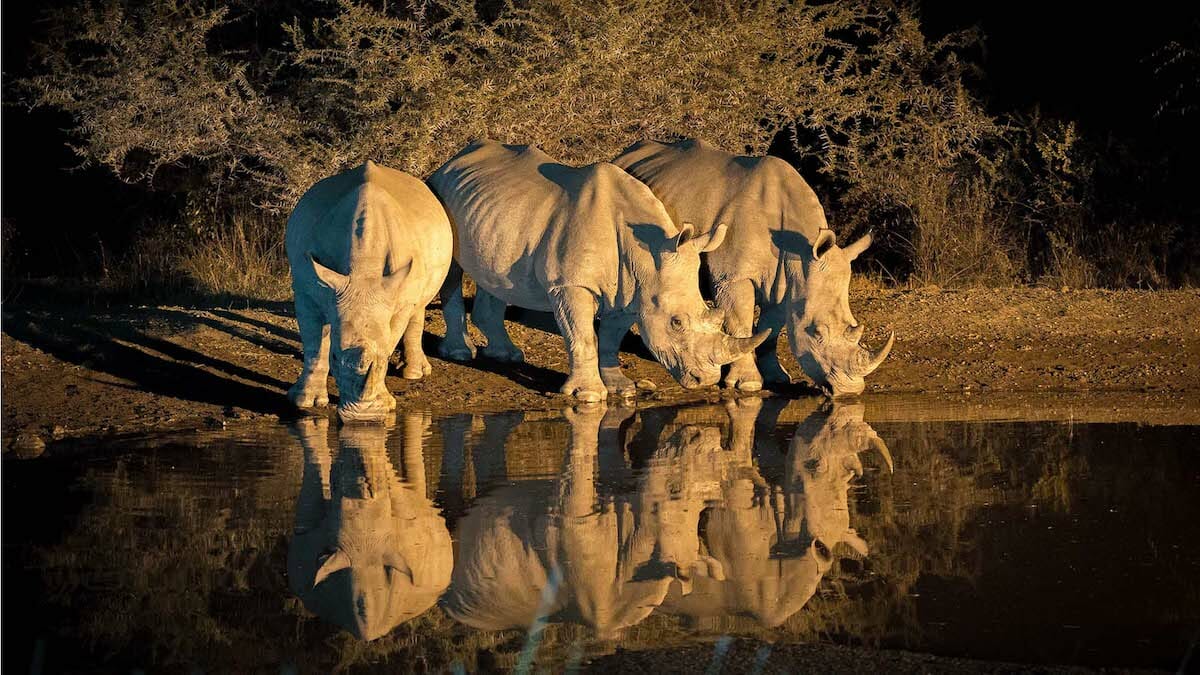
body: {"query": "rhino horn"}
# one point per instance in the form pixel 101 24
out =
pixel 332 563
pixel 731 348
pixel 870 360
pixel 878 444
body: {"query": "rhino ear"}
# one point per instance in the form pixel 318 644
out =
pixel 854 250
pixel 396 562
pixel 330 279
pixel 330 564
pixel 824 241
pixel 687 232
pixel 796 243
pixel 392 282
pixel 857 543
pixel 710 242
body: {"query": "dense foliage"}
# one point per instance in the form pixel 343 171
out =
pixel 237 102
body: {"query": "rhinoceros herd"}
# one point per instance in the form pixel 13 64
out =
pixel 603 247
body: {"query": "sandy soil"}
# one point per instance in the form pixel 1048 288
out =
pixel 71 371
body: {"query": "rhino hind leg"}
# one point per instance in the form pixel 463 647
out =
pixel 737 299
pixel 488 315
pixel 608 337
pixel 575 312
pixel 312 388
pixel 456 346
pixel 772 318
pixel 416 365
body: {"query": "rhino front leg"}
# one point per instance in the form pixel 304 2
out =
pixel 416 365
pixel 737 299
pixel 312 389
pixel 612 330
pixel 575 311
pixel 488 315
pixel 772 317
pixel 456 346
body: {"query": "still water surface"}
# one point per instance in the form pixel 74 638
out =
pixel 511 541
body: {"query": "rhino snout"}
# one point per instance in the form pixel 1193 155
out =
pixel 375 410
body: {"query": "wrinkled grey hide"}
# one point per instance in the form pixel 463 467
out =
pixel 584 243
pixel 368 248
pixel 778 255
pixel 369 550
pixel 773 545
pixel 574 555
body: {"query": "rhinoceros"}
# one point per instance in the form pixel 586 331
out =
pixel 568 554
pixel 585 243
pixel 773 546
pixel 368 248
pixel 779 254
pixel 376 552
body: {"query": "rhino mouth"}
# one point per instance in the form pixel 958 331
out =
pixel 375 410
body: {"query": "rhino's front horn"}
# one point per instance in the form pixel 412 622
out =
pixel 330 564
pixel 732 348
pixel 878 444
pixel 870 360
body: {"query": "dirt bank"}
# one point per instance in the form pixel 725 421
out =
pixel 76 371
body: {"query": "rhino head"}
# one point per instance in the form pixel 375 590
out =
pixel 684 334
pixel 823 333
pixel 377 552
pixel 823 460
pixel 367 314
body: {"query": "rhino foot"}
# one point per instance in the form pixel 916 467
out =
pixel 506 353
pixel 743 376
pixel 456 352
pixel 308 397
pixel 415 369
pixel 617 383
pixel 585 390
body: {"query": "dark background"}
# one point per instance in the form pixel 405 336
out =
pixel 1072 60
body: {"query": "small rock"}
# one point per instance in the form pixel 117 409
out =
pixel 27 444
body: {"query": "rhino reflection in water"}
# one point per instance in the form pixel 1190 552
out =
pixel 603 563
pixel 369 551
pixel 773 546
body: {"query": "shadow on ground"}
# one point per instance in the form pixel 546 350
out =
pixel 150 363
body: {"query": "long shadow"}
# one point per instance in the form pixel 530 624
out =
pixel 93 349
pixel 537 378
pixel 258 323
pixel 271 344
pixel 544 321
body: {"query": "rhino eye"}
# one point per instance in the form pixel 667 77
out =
pixel 815 331
pixel 677 322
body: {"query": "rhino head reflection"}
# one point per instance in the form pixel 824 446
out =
pixel 602 562
pixel 773 546
pixel 369 551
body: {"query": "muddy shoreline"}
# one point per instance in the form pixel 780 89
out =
pixel 73 371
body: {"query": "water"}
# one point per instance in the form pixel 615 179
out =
pixel 544 541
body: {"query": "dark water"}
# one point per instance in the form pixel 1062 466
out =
pixel 532 542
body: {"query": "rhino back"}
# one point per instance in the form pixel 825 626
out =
pixel 371 220
pixel 706 186
pixel 527 224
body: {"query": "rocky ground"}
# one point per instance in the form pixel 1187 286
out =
pixel 80 370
